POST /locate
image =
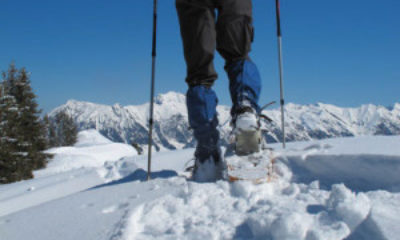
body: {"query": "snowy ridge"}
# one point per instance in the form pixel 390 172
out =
pixel 304 122
pixel 130 123
pixel 316 194
pixel 91 150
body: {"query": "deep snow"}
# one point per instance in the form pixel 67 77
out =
pixel 345 188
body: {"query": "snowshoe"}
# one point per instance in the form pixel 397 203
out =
pixel 248 157
pixel 257 167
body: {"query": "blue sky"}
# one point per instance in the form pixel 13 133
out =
pixel 340 52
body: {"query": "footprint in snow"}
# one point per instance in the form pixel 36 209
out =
pixel 136 196
pixel 110 209
pixel 5 221
pixel 154 187
pixel 114 208
pixel 318 147
pixel 123 205
pixel 87 205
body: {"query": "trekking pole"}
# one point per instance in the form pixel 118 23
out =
pixel 153 69
pixel 282 101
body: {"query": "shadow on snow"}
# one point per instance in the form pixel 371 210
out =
pixel 139 175
pixel 358 172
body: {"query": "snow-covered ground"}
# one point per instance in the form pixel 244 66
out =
pixel 345 188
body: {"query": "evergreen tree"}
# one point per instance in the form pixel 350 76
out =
pixel 13 158
pixel 23 137
pixel 63 130
pixel 67 129
pixel 70 131
pixel 10 80
pixel 31 125
pixel 53 140
pixel 50 132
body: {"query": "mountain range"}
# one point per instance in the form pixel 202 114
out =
pixel 171 129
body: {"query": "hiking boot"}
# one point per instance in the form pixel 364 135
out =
pixel 209 167
pixel 246 130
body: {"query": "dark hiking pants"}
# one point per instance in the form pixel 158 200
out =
pixel 206 25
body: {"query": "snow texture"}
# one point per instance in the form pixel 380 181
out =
pixel 343 188
pixel 91 150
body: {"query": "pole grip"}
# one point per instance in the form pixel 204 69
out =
pixel 278 18
pixel 153 52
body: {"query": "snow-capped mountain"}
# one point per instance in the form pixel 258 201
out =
pixel 130 123
pixel 171 130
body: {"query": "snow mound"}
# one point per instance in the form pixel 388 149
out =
pixel 91 137
pixel 363 163
pixel 348 206
pixel 91 151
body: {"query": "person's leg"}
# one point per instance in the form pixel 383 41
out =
pixel 197 21
pixel 202 112
pixel 234 37
pixel 197 24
